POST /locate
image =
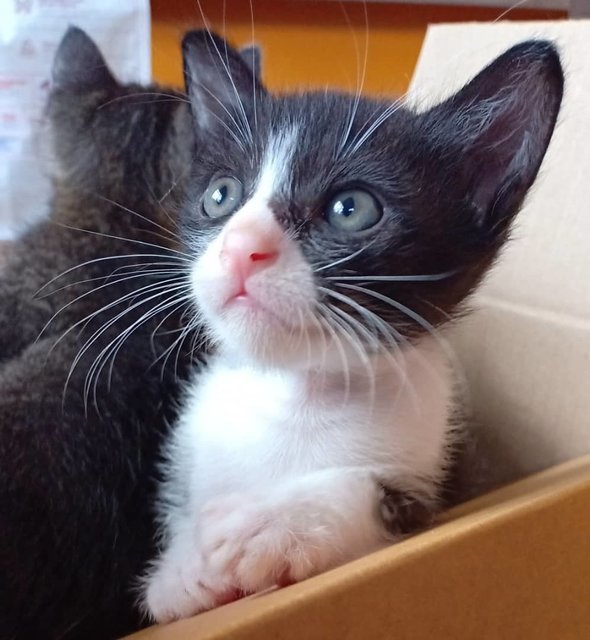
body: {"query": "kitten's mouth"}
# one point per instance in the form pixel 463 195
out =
pixel 245 302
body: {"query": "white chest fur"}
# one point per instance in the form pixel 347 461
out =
pixel 276 476
pixel 247 427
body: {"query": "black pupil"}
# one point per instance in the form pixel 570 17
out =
pixel 345 207
pixel 220 194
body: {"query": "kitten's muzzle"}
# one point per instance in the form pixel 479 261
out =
pixel 246 251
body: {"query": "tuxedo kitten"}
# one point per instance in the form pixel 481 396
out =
pixel 85 399
pixel 330 238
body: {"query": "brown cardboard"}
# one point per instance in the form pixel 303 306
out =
pixel 513 564
pixel 526 351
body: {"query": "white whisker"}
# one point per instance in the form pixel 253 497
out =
pixel 348 322
pixel 191 327
pixel 120 274
pixel 366 132
pixel 360 75
pixel 171 233
pixel 238 134
pixel 422 322
pixel 159 283
pixel 171 96
pixel 393 339
pixel 410 313
pixel 123 239
pixel 160 290
pixel 103 259
pixel 327 324
pixel 254 99
pixel 405 278
pixel 112 349
pixel 225 64
pixel 346 258
pixel 361 310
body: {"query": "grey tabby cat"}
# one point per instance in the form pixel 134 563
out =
pixel 78 445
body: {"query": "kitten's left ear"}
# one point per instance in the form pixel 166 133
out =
pixel 220 84
pixel 252 56
pixel 78 64
pixel 494 132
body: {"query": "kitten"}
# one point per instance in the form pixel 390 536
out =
pixel 331 236
pixel 78 447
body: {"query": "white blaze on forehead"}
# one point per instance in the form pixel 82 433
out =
pixel 276 166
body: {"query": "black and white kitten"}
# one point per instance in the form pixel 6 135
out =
pixel 77 480
pixel 331 236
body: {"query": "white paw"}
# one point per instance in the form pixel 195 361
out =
pixel 253 545
pixel 246 543
pixel 178 590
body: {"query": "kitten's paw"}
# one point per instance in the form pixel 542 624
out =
pixel 177 591
pixel 255 545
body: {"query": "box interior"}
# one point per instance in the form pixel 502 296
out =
pixel 525 350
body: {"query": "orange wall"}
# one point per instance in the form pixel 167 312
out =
pixel 309 43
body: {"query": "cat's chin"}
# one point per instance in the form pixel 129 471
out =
pixel 245 327
pixel 247 308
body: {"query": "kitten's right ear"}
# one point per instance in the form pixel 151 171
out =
pixel 494 132
pixel 79 64
pixel 219 83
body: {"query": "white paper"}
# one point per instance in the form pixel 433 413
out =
pixel 30 31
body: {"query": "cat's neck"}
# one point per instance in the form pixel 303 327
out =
pixel 377 376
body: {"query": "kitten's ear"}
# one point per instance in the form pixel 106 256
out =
pixel 497 128
pixel 79 64
pixel 220 84
pixel 252 56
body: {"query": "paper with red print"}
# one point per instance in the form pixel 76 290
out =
pixel 30 31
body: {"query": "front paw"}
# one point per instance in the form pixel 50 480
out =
pixel 177 590
pixel 254 545
pixel 247 543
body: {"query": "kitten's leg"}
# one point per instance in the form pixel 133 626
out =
pixel 304 527
pixel 250 542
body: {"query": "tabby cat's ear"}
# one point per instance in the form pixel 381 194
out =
pixel 252 56
pixel 221 85
pixel 494 132
pixel 79 64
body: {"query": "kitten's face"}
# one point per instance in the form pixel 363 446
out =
pixel 298 212
pixel 326 227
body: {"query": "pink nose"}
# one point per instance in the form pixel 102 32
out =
pixel 249 250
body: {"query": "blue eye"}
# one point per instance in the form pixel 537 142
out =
pixel 223 196
pixel 354 210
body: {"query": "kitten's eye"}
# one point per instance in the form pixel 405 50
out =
pixel 222 197
pixel 354 210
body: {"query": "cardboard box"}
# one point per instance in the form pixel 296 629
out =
pixel 515 563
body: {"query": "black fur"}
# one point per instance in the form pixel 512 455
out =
pixel 77 469
pixel 450 180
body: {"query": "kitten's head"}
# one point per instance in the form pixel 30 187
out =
pixel 325 223
pixel 118 140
